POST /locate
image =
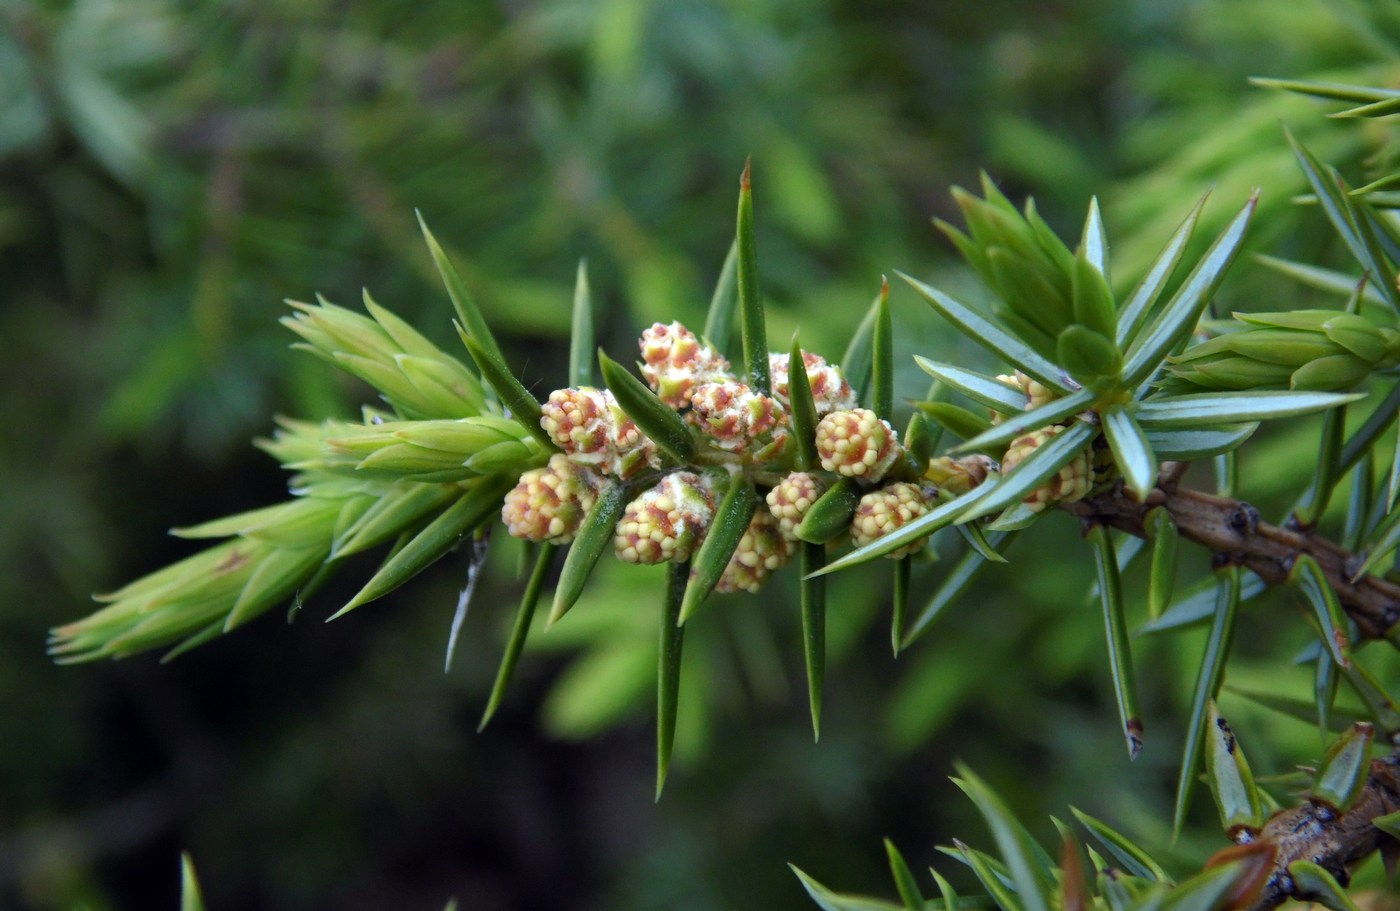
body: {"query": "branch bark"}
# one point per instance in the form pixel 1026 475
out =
pixel 1334 841
pixel 1233 530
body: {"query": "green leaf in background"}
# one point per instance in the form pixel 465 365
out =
pixel 832 901
pixel 858 361
pixel 653 417
pixel 955 584
pixel 1383 540
pixel 1389 824
pixel 1328 472
pixel 191 899
pixel 1381 706
pixel 1298 709
pixel 1132 857
pixel 991 874
pixel 1026 861
pixel 950 895
pixel 1331 90
pixel 1339 207
pixel 751 320
pixel 1120 657
pixel 904 881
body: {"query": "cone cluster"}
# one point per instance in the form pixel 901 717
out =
pixel 735 428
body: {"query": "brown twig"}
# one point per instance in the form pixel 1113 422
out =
pixel 1333 841
pixel 1233 530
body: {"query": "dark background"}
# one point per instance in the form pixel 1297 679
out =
pixel 170 172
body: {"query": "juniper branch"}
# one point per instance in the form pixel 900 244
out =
pixel 1233 530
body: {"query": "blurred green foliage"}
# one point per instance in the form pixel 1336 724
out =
pixel 170 171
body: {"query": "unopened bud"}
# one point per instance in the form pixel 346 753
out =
pixel 958 476
pixel 830 391
pixel 1072 482
pixel 762 551
pixel 888 509
pixel 735 417
pixel 675 361
pixel 857 444
pixel 792 497
pixel 666 522
pixel 592 429
pixel 550 503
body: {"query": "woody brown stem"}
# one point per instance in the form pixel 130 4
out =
pixel 1233 530
pixel 1334 841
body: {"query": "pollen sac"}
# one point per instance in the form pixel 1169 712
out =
pixel 830 391
pixel 1072 482
pixel 791 498
pixel 675 361
pixel 887 510
pixel 762 551
pixel 857 444
pixel 960 475
pixel 592 429
pixel 734 417
pixel 549 503
pixel 667 522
